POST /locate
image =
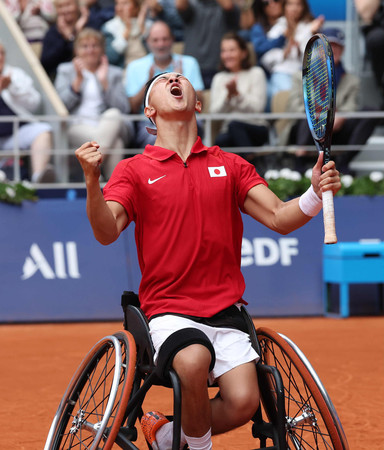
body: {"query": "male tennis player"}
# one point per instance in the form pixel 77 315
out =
pixel 185 199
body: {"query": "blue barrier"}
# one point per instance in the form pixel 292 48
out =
pixel 52 268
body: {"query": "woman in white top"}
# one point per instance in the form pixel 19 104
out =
pixel 239 88
pixel 297 25
pixel 19 97
pixel 92 90
pixel 125 33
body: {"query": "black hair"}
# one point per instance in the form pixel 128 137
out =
pixel 258 7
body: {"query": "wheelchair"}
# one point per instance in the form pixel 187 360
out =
pixel 102 405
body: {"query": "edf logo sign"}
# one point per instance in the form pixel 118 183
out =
pixel 65 262
pixel 267 252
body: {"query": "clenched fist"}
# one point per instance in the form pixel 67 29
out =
pixel 90 159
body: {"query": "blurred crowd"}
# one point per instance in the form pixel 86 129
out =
pixel 241 56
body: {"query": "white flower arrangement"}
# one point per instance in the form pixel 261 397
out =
pixel 287 183
pixel 347 180
pixel 286 173
pixel 376 176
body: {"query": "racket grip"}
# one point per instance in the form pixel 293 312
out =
pixel 329 218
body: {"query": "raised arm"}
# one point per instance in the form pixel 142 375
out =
pixel 21 89
pixel 284 217
pixel 107 219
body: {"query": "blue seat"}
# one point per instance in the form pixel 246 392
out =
pixel 351 262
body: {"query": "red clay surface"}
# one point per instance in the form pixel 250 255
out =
pixel 37 362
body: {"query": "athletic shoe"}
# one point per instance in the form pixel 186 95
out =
pixel 150 423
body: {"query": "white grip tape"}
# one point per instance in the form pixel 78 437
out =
pixel 328 203
pixel 329 218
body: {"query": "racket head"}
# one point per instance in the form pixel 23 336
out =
pixel 319 90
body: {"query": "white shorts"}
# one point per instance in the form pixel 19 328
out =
pixel 232 347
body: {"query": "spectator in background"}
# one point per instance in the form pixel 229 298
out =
pixel 125 33
pixel 205 23
pixel 345 131
pixel 266 13
pixel 18 97
pixel 92 90
pixel 371 13
pixel 58 41
pixel 160 59
pixel 239 88
pixel 297 25
pixel 34 17
pixel 166 11
pixel 247 18
pixel 100 11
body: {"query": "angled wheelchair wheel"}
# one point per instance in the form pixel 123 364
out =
pixel 93 406
pixel 311 421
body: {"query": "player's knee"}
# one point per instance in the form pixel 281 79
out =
pixel 189 352
pixel 192 363
pixel 244 404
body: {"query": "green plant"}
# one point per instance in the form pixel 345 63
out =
pixel 15 192
pixel 363 186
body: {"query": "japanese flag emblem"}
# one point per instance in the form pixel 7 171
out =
pixel 217 171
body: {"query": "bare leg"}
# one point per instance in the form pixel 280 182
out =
pixel 239 398
pixel 239 394
pixel 192 366
pixel 109 133
pixel 41 149
pixel 109 128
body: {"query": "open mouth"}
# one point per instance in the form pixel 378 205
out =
pixel 176 90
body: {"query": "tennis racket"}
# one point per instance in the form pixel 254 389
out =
pixel 320 101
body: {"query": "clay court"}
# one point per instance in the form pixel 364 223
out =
pixel 37 362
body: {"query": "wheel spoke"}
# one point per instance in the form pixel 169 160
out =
pixel 308 417
pixel 94 406
pixel 93 387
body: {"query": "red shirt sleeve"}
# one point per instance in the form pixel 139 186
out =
pixel 247 179
pixel 120 188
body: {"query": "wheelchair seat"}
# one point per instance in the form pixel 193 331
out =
pixel 137 323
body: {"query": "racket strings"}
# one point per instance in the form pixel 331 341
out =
pixel 317 89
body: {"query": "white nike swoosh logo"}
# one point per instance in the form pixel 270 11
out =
pixel 154 181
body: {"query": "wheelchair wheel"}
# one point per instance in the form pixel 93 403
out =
pixel 93 406
pixel 311 421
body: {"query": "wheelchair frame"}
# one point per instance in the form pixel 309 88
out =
pixel 103 402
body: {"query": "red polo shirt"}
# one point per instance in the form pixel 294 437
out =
pixel 188 226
